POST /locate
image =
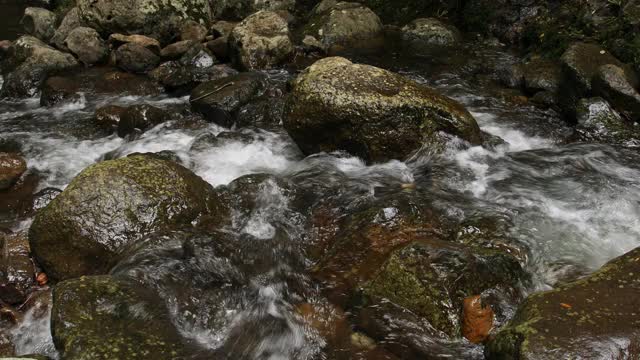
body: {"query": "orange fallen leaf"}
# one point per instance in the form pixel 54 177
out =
pixel 42 279
pixel 566 306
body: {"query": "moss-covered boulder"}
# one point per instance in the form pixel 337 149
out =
pixel 110 206
pixel 426 34
pixel 337 26
pixel 370 112
pixel 240 9
pixel 431 279
pixel 261 41
pixel 157 18
pixel 593 318
pixel 103 317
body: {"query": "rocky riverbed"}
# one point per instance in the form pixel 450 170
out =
pixel 240 179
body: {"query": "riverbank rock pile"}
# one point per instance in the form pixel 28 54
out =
pixel 139 248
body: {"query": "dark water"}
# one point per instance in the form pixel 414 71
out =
pixel 10 14
pixel 573 206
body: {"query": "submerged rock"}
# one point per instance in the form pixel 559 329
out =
pixel 183 78
pixel 87 45
pixel 12 166
pixel 477 319
pixel 29 63
pixel 138 118
pixel 344 25
pixel 104 317
pixel 158 19
pixel 423 35
pixel 370 112
pixel 110 206
pixel 218 100
pixel 261 41
pixel 40 23
pixel 593 318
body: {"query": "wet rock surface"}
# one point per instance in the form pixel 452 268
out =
pixel 353 115
pixel 102 317
pixel 261 41
pixel 423 35
pixel 574 320
pixel 75 234
pixel 344 25
pixel 12 166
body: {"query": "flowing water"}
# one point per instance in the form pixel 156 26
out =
pixel 571 206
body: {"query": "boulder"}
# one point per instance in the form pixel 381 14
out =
pixel 12 166
pixel 110 206
pixel 599 122
pixel 425 34
pixel 593 318
pixel 477 319
pixel 87 45
pixel 104 317
pixel 69 22
pixel 344 26
pixel 135 58
pixel 40 23
pixel 580 63
pixel 108 117
pixel 261 41
pixel 182 79
pixel 612 83
pixel 96 81
pixel 117 40
pixel 218 100
pixel 176 50
pixel 158 19
pixel 219 48
pixel 29 63
pixel 541 75
pixel 17 272
pixel 240 9
pixel 370 112
pixel 138 118
pixel 194 31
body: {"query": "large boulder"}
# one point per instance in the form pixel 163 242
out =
pixel 344 25
pixel 261 41
pixel 370 112
pixel 240 9
pixel 87 45
pixel 580 63
pixel 159 19
pixel 29 63
pixel 426 34
pixel 219 100
pixel 103 317
pixel 593 318
pixel 110 206
pixel 39 22
pixel 612 83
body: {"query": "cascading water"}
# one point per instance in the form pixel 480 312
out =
pixel 572 207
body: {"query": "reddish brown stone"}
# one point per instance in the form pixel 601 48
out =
pixel 477 319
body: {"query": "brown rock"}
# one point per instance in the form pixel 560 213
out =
pixel 176 50
pixel 12 166
pixel 192 30
pixel 16 268
pixel 108 117
pixel 222 28
pixel 116 40
pixel 477 319
pixel 219 48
